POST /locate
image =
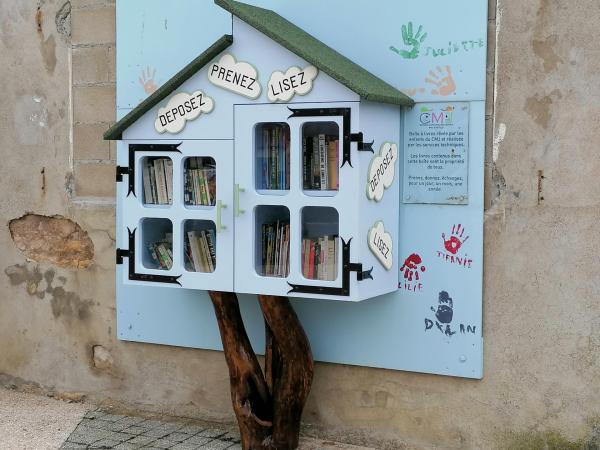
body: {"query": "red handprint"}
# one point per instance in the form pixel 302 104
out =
pixel 455 241
pixel 411 267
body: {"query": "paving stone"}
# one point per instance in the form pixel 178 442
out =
pixel 113 417
pixel 89 435
pixel 163 443
pixel 141 440
pixel 185 446
pixel 156 432
pixel 132 420
pixel 177 436
pixel 117 426
pixel 212 432
pixel 235 447
pixel 149 424
pixel 71 445
pixel 135 430
pixel 94 414
pixel 198 440
pixel 104 443
pixel 121 437
pixel 232 437
pixel 95 423
pixel 126 446
pixel 217 445
pixel 191 429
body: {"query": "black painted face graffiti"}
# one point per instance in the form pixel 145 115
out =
pixel 445 308
pixel 443 317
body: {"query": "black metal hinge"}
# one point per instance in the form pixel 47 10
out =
pixel 122 253
pixel 122 171
pixel 360 273
pixel 362 146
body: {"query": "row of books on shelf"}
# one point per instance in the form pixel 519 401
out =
pixel 320 156
pixel 161 252
pixel 200 251
pixel 157 177
pixel 275 157
pixel 275 249
pixel 200 183
pixel 320 257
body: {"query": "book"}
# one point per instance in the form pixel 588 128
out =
pixel 320 258
pixel 196 258
pixel 168 166
pixel 273 157
pixel 323 171
pixel 148 198
pixel 315 162
pixel 159 174
pixel 332 165
pixel 275 248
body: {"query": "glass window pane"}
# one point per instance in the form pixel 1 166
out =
pixel 320 157
pixel 320 243
pixel 200 246
pixel 200 181
pixel 157 239
pixel 272 239
pixel 157 180
pixel 272 157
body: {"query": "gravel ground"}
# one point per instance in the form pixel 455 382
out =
pixel 33 422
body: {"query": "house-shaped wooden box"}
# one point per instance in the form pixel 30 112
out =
pixel 268 165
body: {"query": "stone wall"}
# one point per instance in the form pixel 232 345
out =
pixel 541 310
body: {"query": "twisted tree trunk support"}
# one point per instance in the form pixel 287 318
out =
pixel 268 405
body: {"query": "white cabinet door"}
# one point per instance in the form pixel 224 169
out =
pixel 176 216
pixel 276 146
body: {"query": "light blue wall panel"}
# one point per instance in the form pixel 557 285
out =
pixel 389 331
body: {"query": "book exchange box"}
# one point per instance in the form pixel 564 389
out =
pixel 268 165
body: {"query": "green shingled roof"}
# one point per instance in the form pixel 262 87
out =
pixel 298 41
pixel 116 131
pixel 337 66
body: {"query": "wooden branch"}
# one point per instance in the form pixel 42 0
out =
pixel 290 364
pixel 268 406
pixel 249 392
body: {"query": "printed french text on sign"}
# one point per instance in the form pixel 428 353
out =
pixel 436 154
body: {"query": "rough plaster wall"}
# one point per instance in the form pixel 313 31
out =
pixel 541 314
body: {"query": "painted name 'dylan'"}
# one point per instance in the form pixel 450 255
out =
pixel 187 107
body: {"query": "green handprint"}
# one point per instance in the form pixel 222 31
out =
pixel 410 40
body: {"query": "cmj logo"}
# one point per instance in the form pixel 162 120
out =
pixel 445 116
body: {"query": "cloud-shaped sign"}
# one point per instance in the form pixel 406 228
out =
pixel 382 170
pixel 381 244
pixel 283 86
pixel 239 77
pixel 181 108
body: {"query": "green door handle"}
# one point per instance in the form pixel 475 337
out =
pixel 220 225
pixel 237 211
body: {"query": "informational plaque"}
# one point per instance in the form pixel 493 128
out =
pixel 436 149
